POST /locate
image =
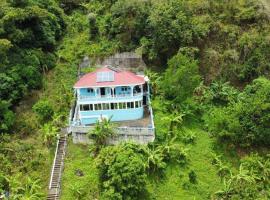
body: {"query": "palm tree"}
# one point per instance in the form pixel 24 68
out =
pixel 223 170
pixel 242 177
pixel 155 159
pixel 49 133
pixel 30 191
pixel 226 192
pixel 102 130
pixel 77 191
pixel 155 79
pixel 265 170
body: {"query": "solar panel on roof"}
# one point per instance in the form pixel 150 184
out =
pixel 105 76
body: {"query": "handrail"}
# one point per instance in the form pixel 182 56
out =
pixel 55 155
pixel 84 97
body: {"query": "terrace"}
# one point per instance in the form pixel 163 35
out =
pixel 141 130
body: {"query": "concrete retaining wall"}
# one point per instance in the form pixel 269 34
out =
pixel 138 135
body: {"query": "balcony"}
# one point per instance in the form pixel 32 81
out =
pixel 109 97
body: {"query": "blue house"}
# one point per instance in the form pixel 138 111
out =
pixel 110 93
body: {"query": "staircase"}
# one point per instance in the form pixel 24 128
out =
pixel 57 168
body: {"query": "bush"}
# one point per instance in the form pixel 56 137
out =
pixel 181 78
pixel 121 172
pixel 245 122
pixel 44 110
pixel 192 177
pixel 7 117
pixel 251 181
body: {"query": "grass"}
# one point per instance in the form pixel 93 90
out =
pixel 78 159
pixel 176 183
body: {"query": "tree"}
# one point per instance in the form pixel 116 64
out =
pixel 171 25
pixel 155 81
pixel 49 133
pixel 128 22
pixel 93 32
pixel 7 117
pixel 245 122
pixel 121 172
pixel 154 159
pixel 181 78
pixel 44 110
pixel 31 190
pixel 102 130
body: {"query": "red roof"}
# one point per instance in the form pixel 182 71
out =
pixel 121 78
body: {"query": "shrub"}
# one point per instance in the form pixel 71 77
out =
pixel 192 177
pixel 251 181
pixel 188 136
pixel 121 172
pixel 245 122
pixel 44 110
pixel 49 133
pixel 7 117
pixel 181 78
pixel 102 130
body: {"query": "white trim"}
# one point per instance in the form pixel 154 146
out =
pixel 140 104
pixel 90 116
pixel 87 86
pixel 134 98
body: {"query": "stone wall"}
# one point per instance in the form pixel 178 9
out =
pixel 125 61
pixel 138 135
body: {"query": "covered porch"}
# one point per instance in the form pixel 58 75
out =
pixel 110 92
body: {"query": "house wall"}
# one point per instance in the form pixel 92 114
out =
pixel 118 91
pixel 84 92
pixel 90 117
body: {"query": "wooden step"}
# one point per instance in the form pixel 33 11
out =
pixel 54 188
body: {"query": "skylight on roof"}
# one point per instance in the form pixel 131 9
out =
pixel 105 76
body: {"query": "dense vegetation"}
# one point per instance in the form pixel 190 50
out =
pixel 29 31
pixel 209 65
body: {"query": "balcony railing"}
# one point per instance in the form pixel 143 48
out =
pixel 109 96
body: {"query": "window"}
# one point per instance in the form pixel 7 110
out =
pixel 136 104
pixel 91 106
pixel 121 105
pixel 84 107
pixel 139 104
pixel 132 105
pixel 98 106
pixel 106 106
pixel 114 106
pixel 128 105
pixel 105 76
pixel 125 88
pixel 90 90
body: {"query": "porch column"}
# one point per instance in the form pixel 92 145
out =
pixel 131 88
pixel 112 90
pixel 95 91
pixel 78 92
pixel 141 86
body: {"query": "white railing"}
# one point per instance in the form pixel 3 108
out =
pixel 55 155
pixel 99 97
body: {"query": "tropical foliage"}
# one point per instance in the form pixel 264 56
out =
pixel 208 62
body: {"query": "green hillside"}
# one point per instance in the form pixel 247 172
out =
pixel 208 62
